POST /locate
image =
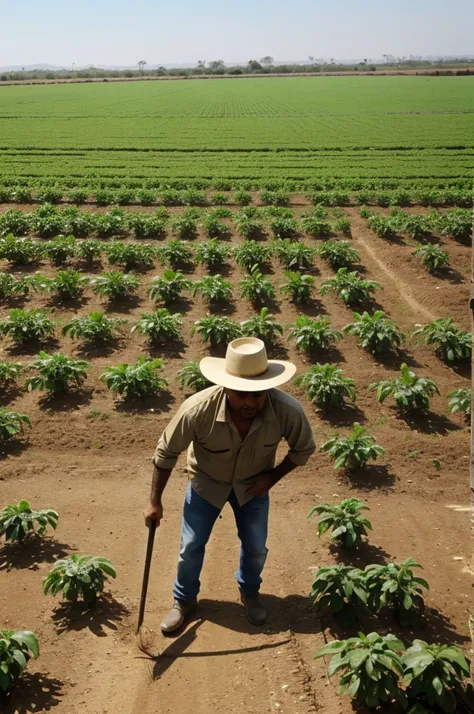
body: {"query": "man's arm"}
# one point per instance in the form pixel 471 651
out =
pixel 154 510
pixel 264 482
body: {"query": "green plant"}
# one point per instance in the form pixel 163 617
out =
pixel 214 228
pixel 175 253
pixel 244 198
pixel 298 287
pixel 12 423
pixel 375 332
pixel 284 227
pixel 274 198
pixel 9 372
pixel 255 286
pixel 27 326
pixel 111 224
pixel 459 400
pixel 57 372
pixel 326 386
pixel 94 328
pixel 309 334
pixel 248 254
pixel 216 330
pixel 115 285
pixel 79 576
pixel 14 222
pixel 50 194
pixel 370 666
pixel 191 376
pixel 293 255
pixel 411 393
pixel 353 451
pixel 185 226
pixel 435 676
pixel 218 199
pixel 342 225
pixel 417 227
pixel 20 251
pixel 144 225
pixel 60 249
pixel 68 284
pixel 15 649
pixel 349 286
pixel 192 197
pixel 10 286
pixel 212 253
pixel 89 250
pixel 432 257
pixel 104 197
pixel 341 590
pixel 395 585
pixel 136 380
pixel 452 343
pixel 315 224
pixel 78 223
pixel 78 195
pixel 169 287
pixel 338 253
pixel 19 521
pixel 213 288
pixel 262 325
pixel 345 519
pixel 131 255
pixel 159 326
pixel 248 227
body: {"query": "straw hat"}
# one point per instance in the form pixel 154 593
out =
pixel 246 367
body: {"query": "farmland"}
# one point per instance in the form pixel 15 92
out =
pixel 382 166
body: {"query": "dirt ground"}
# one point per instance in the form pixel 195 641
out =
pixel 89 456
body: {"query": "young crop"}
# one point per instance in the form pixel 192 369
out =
pixel 350 287
pixel 95 328
pixel 78 223
pixel 256 286
pixel 212 253
pixel 220 212
pixel 342 225
pixel 16 649
pixel 262 325
pixel 124 196
pixel 68 284
pixel 19 521
pixel 248 227
pixel 293 255
pixel 89 251
pixel 284 227
pixel 192 197
pixel 12 424
pixel 185 226
pixel 104 197
pixel 345 519
pixel 243 198
pixel 9 286
pixel 353 451
pixel 27 326
pixel 9 372
pixel 60 249
pixel 214 228
pixel 169 287
pixel 131 255
pixel 50 194
pixel 213 288
pixel 338 253
pixel 115 285
pixel 79 576
pixel 78 195
pixel 452 343
pixel 436 676
pixel 274 198
pixel 249 254
pixel 315 225
pixel 411 393
pixel 159 326
pixel 15 222
pixel 383 226
pixel 218 199
pixel 298 287
pixel 144 225
pixel 396 586
pixel 432 257
pixel 216 330
pixel 326 386
pixel 136 380
pixel 375 332
pixel 57 373
pixel 20 251
pixel 111 224
pixel 191 376
pixel 369 667
pixel 309 334
pixel 459 400
pixel 457 224
pixel 341 590
pixel 175 253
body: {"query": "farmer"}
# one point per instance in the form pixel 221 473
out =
pixel 232 431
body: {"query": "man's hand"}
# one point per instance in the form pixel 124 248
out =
pixel 262 484
pixel 153 513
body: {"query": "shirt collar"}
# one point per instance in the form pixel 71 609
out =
pixel 268 413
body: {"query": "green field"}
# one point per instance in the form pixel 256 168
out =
pixel 291 128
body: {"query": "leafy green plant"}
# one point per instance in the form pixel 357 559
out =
pixel 256 286
pixel 57 372
pixel 19 521
pixel 12 424
pixel 418 227
pixel 309 334
pixel 68 284
pixel 342 225
pixel 213 288
pixel 10 286
pixel 244 198
pixel 78 223
pixel 169 287
pixel 14 222
pixel 131 255
pixel 79 577
pixel 293 255
pixel 345 519
pixel 60 249
pixel 27 326
pixel 111 224
pixel 457 223
pixel 341 590
pixel 216 330
pixel 459 400
pixel 248 227
pixel 375 332
pixel 212 253
pixel 248 254
pixel 298 287
pixel 185 226
pixel 159 326
pixel 49 194
pixel 284 227
pixel 95 328
pixel 78 195
pixel 410 392
pixel 16 649
pixel 316 225
pixel 432 257
pixel 115 285
pixel 9 372
pixel 218 199
pixel 89 250
pixel 326 386
pixel 370 667
pixel 435 676
pixel 136 380
pixel 192 197
pixel 262 325
pixel 353 451
pixel 349 286
pixel 396 586
pixel 214 228
pixel 452 343
pixel 191 376
pixel 338 253
pixel 144 225
pixel 20 251
pixel 175 253
pixel 274 198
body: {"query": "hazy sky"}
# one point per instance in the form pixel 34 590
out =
pixel 121 32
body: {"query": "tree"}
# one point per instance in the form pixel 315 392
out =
pixel 311 59
pixel 141 65
pixel 216 65
pixel 201 64
pixel 254 66
pixel 267 61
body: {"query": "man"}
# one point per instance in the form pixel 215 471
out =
pixel 232 431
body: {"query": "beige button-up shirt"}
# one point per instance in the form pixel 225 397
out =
pixel 218 459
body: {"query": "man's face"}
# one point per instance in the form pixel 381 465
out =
pixel 246 404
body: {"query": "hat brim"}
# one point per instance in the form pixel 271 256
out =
pixel 278 372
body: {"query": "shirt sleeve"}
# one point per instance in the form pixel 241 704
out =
pixel 299 436
pixel 176 438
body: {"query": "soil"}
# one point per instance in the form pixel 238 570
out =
pixel 89 456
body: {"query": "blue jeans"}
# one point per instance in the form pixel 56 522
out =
pixel 199 517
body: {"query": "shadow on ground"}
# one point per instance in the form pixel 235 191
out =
pixel 106 614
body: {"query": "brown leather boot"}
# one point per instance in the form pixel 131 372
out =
pixel 254 609
pixel 180 612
